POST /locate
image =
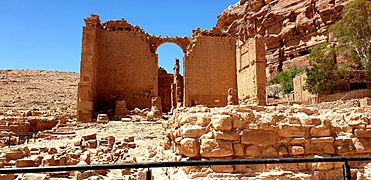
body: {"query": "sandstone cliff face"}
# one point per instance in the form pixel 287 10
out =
pixel 290 27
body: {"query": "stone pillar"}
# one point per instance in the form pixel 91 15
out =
pixel 261 78
pixel 232 97
pixel 251 75
pixel 86 94
pixel 177 87
pixel 120 110
pixel 156 109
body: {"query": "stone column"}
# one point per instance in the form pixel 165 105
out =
pixel 261 78
pixel 177 86
pixel 86 94
pixel 120 110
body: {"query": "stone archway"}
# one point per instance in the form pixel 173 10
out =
pixel 157 41
pixel 171 84
pixel 119 63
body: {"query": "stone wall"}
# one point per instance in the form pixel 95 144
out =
pixel 209 70
pixel 165 81
pixel 242 132
pixel 86 94
pixel 251 76
pixel 119 62
pixel 356 94
pixel 301 95
pixel 127 70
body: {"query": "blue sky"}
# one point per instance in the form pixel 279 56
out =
pixel 46 34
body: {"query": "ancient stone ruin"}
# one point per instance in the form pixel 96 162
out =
pixel 119 63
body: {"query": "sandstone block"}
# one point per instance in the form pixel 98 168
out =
pixel 362 132
pixel 89 136
pixel 261 137
pixel 297 150
pixel 223 168
pixel 282 151
pixel 319 148
pixel 102 118
pixel 52 150
pixel 111 140
pixel 344 146
pixel 13 155
pixel 7 176
pixel 221 122
pixel 92 143
pixel 193 131
pixel 268 151
pixel 362 145
pixel 365 102
pixel 227 135
pixel 77 142
pixel 252 151
pixel 35 176
pixel 187 119
pixel 48 160
pixel 298 141
pixel 320 132
pixel 25 162
pixel 237 123
pixel 120 109
pixel 203 120
pixel 321 166
pixel 238 149
pixel 312 121
pixel 129 139
pixel 189 147
pixel 131 145
pixel 322 140
pixel 215 148
pixel 293 131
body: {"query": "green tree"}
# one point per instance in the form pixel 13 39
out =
pixel 285 78
pixel 323 72
pixel 353 32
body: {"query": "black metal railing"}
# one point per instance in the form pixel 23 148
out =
pixel 148 165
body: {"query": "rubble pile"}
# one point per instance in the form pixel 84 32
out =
pixel 243 132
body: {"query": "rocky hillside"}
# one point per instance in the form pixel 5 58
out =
pixel 290 27
pixel 38 90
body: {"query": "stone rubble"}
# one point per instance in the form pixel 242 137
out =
pixel 244 131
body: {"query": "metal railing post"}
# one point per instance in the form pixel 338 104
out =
pixel 149 174
pixel 346 171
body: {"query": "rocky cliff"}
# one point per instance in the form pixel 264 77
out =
pixel 290 27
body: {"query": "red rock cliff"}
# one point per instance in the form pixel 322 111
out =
pixel 290 27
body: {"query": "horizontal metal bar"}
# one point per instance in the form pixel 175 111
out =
pixel 180 163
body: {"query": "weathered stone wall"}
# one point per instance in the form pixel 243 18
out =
pixel 165 81
pixel 301 95
pixel 270 132
pixel 251 76
pixel 118 62
pixel 127 70
pixel 86 94
pixel 356 94
pixel 209 71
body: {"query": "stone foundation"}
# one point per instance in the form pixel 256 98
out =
pixel 244 132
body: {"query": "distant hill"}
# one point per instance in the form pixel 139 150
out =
pixel 38 90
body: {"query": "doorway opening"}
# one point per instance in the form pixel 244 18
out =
pixel 170 75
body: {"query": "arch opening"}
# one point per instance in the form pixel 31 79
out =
pixel 170 75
